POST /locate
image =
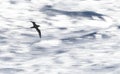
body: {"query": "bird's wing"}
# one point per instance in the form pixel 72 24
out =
pixel 34 23
pixel 39 32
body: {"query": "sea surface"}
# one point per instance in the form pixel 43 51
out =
pixel 78 37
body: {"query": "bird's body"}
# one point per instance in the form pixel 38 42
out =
pixel 36 27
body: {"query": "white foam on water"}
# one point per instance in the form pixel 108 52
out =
pixel 62 49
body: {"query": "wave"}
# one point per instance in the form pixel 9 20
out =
pixel 50 11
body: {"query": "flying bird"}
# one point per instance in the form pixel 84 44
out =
pixel 36 27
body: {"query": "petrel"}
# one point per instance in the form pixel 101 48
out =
pixel 36 27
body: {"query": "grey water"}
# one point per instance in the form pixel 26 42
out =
pixel 72 42
pixel 52 12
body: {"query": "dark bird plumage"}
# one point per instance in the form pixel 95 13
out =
pixel 36 27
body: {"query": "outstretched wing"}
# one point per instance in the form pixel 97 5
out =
pixel 39 32
pixel 34 23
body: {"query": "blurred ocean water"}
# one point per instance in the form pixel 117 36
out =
pixel 78 37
